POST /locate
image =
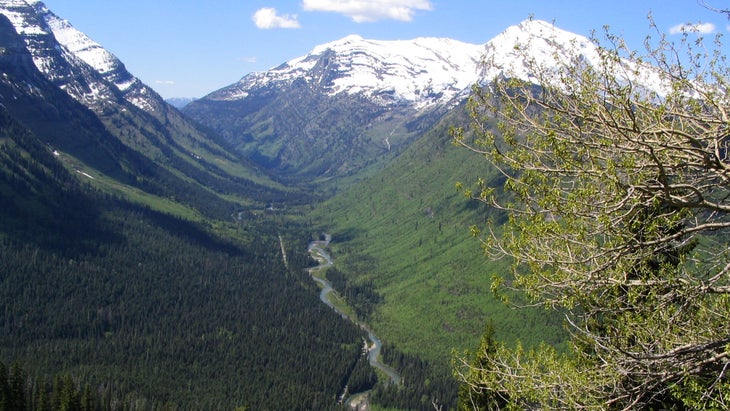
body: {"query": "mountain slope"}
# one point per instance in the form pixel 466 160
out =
pixel 71 60
pixel 80 139
pixel 150 310
pixel 130 116
pixel 353 104
pixel 345 106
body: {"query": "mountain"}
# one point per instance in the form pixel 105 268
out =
pixel 548 46
pixel 179 102
pixel 355 103
pixel 345 106
pixel 73 61
pixel 420 72
pixel 129 134
pixel 538 45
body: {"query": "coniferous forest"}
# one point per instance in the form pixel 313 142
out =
pixel 137 309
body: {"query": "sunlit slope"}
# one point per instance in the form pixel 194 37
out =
pixel 407 230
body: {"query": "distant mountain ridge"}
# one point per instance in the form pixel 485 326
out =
pixel 179 102
pixel 423 71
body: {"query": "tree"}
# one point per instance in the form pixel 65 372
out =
pixel 16 400
pixel 5 398
pixel 473 394
pixel 616 183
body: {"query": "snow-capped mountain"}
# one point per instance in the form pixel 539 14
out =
pixel 423 71
pixel 353 100
pixel 344 104
pixel 549 50
pixel 547 46
pixel 74 62
pixel 78 98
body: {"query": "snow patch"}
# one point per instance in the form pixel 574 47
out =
pixel 82 46
pixel 85 174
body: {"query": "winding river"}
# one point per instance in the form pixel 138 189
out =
pixel 317 251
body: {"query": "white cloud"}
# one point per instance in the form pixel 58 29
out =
pixel 269 18
pixel 699 28
pixel 165 82
pixel 370 10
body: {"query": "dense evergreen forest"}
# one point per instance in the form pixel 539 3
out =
pixel 362 298
pixel 424 387
pixel 153 311
pixel 18 391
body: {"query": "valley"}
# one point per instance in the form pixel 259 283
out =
pixel 171 258
pixel 317 251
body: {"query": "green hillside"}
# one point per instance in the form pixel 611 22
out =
pixel 407 230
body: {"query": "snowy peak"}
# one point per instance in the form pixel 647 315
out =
pixel 423 71
pixel 81 45
pixel 537 51
pixel 74 62
pixel 547 45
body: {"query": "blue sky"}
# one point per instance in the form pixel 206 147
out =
pixel 189 48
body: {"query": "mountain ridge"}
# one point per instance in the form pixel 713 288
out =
pixel 349 105
pixel 149 135
pixel 426 70
pixel 43 31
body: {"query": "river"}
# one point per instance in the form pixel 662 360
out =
pixel 317 251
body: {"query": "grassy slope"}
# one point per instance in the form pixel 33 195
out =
pixel 407 229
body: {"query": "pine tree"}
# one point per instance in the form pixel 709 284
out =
pixel 17 388
pixel 4 388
